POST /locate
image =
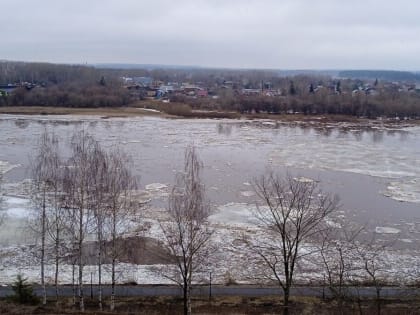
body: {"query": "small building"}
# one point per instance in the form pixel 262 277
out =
pixel 6 89
pixel 166 89
pixel 143 81
pixel 250 92
pixel 202 93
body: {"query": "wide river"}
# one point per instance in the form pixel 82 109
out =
pixel 375 169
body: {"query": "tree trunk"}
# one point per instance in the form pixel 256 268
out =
pixel 100 271
pixel 81 296
pixel 114 255
pixel 81 300
pixel 73 281
pixel 185 298
pixel 57 244
pixel 378 301
pixel 43 232
pixel 189 300
pixel 286 296
pixel 113 285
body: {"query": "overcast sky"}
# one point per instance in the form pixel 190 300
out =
pixel 284 34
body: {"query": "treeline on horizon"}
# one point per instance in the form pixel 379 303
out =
pixel 313 93
pixel 388 75
pixel 60 85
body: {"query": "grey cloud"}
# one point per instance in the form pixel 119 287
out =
pixel 263 34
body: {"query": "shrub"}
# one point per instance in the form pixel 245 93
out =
pixel 23 292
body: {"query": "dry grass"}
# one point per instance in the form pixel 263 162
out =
pixel 219 305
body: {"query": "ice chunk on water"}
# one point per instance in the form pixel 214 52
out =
pixel 404 190
pixel 386 230
pixel 157 190
pixel 156 186
pixel 386 159
pixel 406 240
pixel 14 231
pixel 247 193
pixel 6 167
pixel 303 179
pixel 17 207
pixel 241 214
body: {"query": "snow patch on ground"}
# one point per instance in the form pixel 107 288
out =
pixel 234 226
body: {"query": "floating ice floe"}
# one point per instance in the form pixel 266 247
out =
pixel 303 179
pixel 17 207
pixel 386 230
pixel 6 167
pixel 333 224
pixel 406 240
pixel 404 190
pixel 247 193
pixel 156 186
pixel 241 214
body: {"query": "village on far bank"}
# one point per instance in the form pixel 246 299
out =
pixel 371 94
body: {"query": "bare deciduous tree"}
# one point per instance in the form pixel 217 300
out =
pixel 120 185
pixel 43 167
pixel 55 215
pixel 99 173
pixel 338 249
pixel 371 253
pixel 187 232
pixel 56 225
pixel 79 189
pixel 291 211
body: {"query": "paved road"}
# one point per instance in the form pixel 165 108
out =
pixel 164 290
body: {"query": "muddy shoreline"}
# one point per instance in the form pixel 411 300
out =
pixel 146 109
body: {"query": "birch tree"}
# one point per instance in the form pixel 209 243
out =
pixel 56 227
pixel 55 219
pixel 43 167
pixel 187 232
pixel 291 211
pixel 99 172
pixel 120 206
pixel 78 190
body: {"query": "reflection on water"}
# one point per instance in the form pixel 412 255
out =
pixel 22 123
pixel 377 136
pixel 224 129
